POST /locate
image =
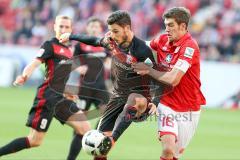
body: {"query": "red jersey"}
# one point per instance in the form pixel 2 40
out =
pixel 184 55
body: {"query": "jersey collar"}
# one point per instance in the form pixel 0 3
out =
pixel 181 40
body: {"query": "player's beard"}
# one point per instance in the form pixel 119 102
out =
pixel 125 44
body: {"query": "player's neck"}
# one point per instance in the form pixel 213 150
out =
pixel 65 43
pixel 180 36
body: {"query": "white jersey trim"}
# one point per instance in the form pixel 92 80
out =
pixel 154 52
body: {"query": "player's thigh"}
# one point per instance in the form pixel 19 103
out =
pixel 40 115
pixel 36 137
pixel 112 111
pixel 67 110
pixel 101 97
pixel 84 103
pixel 167 124
pixel 138 101
pixel 81 126
pixel 187 128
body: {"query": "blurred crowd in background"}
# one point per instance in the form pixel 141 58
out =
pixel 215 23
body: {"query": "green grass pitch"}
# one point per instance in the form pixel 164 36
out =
pixel 217 137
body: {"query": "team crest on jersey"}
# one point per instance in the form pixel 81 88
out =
pixel 40 52
pixel 129 59
pixel 189 52
pixel 168 58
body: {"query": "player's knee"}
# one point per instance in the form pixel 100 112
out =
pixel 131 112
pixel 35 142
pixel 83 128
pixel 137 100
pixel 132 96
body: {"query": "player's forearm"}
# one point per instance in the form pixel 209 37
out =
pixel 89 40
pixel 29 69
pixel 156 100
pixel 169 78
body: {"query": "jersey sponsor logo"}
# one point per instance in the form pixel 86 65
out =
pixel 123 66
pixel 59 50
pixel 189 52
pixel 43 123
pixel 168 58
pixel 40 52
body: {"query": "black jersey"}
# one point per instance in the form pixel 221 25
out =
pixel 55 56
pixel 93 57
pixel 125 80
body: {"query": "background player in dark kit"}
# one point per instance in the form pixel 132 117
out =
pixel 50 102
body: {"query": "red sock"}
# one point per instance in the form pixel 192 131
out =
pixel 165 159
pixel 100 158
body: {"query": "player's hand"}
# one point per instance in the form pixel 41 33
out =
pixel 153 109
pixel 20 80
pixel 107 42
pixel 71 97
pixel 141 68
pixel 64 37
pixel 82 69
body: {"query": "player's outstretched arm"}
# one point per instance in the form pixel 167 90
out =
pixel 171 78
pixel 89 40
pixel 27 72
pixel 105 41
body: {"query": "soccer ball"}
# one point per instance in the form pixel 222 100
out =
pixel 91 142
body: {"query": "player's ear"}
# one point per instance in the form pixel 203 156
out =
pixel 183 26
pixel 54 27
pixel 128 27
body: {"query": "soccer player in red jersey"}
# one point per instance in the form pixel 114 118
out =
pixel 179 66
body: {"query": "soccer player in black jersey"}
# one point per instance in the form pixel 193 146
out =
pixel 93 84
pixel 92 89
pixel 50 101
pixel 131 99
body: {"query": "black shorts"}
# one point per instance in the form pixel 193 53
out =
pixel 46 107
pixel 97 95
pixel 113 109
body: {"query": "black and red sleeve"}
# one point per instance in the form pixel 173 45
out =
pixel 45 52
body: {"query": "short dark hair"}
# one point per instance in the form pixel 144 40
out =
pixel 180 14
pixel 95 19
pixel 119 17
